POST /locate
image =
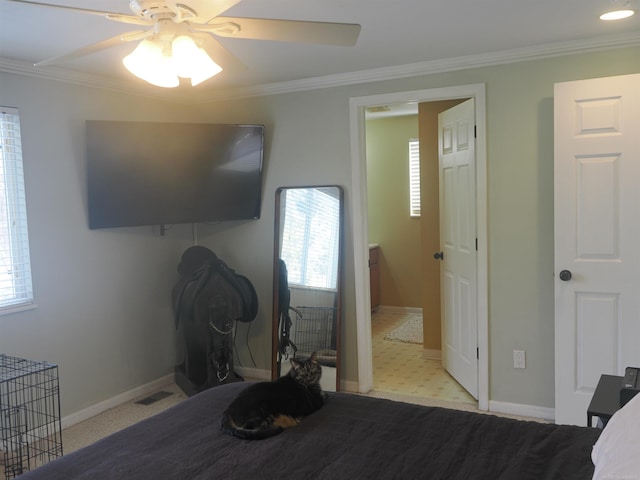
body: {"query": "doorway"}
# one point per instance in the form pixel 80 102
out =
pixel 404 234
pixel 360 225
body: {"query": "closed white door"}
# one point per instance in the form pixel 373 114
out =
pixel 597 237
pixel 456 147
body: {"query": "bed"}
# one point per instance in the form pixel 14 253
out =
pixel 351 437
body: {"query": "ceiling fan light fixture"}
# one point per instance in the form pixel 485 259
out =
pixel 185 55
pixel 192 61
pixel 160 63
pixel 204 68
pixel 151 64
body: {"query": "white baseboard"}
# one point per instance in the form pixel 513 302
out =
pixel 432 354
pixel 399 310
pixel 521 410
pixel 116 401
pixel 261 374
pixel 98 408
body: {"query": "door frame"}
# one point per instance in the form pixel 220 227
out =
pixel 359 219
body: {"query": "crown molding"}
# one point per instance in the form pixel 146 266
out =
pixel 352 78
pixel 434 66
pixel 19 67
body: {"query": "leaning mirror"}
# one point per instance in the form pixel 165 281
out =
pixel 307 273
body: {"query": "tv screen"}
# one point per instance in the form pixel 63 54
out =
pixel 150 173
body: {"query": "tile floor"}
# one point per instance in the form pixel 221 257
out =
pixel 400 367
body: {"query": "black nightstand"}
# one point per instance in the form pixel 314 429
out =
pixel 606 399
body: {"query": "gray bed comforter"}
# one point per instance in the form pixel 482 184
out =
pixel 351 437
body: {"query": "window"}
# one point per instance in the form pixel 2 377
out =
pixel 15 267
pixel 414 178
pixel 311 237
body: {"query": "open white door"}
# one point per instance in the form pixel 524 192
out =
pixel 456 147
pixel 597 237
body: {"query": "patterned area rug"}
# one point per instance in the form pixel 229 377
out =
pixel 409 332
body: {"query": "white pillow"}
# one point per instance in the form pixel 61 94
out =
pixel 616 454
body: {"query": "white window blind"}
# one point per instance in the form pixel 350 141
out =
pixel 311 235
pixel 15 266
pixel 414 178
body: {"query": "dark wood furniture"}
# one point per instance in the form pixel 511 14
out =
pixel 606 399
pixel 374 276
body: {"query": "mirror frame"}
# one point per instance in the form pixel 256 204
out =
pixel 276 281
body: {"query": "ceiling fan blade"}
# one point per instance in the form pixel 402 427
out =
pixel 122 18
pixel 325 33
pixel 202 10
pixel 219 54
pixel 73 9
pixel 136 35
pixel 96 47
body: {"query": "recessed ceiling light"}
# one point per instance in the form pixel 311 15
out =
pixel 617 14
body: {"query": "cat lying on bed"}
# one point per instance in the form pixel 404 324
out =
pixel 265 409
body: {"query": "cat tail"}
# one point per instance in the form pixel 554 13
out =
pixel 228 426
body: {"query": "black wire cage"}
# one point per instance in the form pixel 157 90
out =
pixel 314 331
pixel 30 426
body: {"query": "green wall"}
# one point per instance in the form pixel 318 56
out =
pixel 389 222
pixel 308 143
pixel 311 144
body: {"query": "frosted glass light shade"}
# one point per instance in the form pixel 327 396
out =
pixel 193 62
pixel 185 55
pixel 204 68
pixel 149 63
pixel 162 65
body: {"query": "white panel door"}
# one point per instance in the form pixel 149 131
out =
pixel 597 237
pixel 456 147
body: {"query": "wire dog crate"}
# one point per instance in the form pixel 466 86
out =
pixel 30 427
pixel 314 332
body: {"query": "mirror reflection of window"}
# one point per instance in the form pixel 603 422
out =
pixel 307 285
pixel 310 240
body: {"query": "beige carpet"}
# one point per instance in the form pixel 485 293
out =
pixel 95 428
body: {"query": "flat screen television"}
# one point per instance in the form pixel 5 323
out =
pixel 153 173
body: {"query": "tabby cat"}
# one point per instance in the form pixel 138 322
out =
pixel 265 409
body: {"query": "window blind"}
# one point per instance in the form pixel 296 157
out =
pixel 414 178
pixel 15 266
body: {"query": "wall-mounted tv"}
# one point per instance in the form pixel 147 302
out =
pixel 152 173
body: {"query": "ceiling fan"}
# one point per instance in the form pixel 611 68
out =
pixel 180 34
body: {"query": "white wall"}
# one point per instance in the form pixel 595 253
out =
pixel 103 297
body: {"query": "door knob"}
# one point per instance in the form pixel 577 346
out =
pixel 565 275
pixel 438 255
